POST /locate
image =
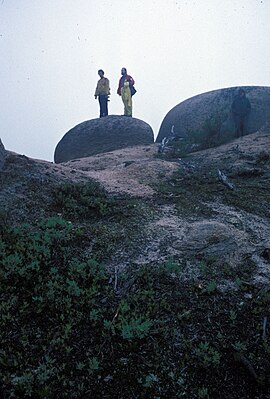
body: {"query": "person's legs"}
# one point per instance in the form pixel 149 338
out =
pixel 100 106
pixel 125 106
pixel 237 122
pixel 103 106
pixel 244 125
pixel 127 100
pixel 241 128
pixel 129 106
pixel 106 106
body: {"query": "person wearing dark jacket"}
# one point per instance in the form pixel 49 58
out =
pixel 241 109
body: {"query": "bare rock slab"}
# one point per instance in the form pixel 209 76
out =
pixel 97 136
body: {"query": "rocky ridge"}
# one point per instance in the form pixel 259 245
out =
pixel 137 274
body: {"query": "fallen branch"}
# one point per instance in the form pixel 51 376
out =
pixel 264 327
pixel 239 357
pixel 115 278
pixel 162 145
pixel 224 180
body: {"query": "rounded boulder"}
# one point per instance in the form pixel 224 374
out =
pixel 3 154
pixel 102 135
pixel 209 115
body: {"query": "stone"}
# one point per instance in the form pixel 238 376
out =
pixel 207 117
pixel 2 155
pixel 101 135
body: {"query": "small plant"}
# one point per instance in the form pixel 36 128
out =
pixel 232 316
pixel 23 383
pixel 240 346
pixel 204 268
pixel 207 355
pixel 93 364
pixel 134 328
pixel 149 380
pixel 203 393
pixel 239 282
pixel 172 267
pixel 211 287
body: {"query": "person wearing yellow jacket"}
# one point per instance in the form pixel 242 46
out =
pixel 126 90
pixel 102 92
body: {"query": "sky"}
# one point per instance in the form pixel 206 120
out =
pixel 50 52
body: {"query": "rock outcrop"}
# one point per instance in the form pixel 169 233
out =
pixel 208 115
pixel 2 154
pixel 193 216
pixel 102 135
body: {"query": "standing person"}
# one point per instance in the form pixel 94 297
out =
pixel 241 109
pixel 126 90
pixel 103 92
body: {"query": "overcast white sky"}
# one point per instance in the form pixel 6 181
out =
pixel 50 51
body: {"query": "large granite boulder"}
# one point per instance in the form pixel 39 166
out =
pixel 102 135
pixel 2 154
pixel 207 117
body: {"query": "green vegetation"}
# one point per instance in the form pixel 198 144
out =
pixel 191 188
pixel 69 329
pixel 109 224
pixel 89 201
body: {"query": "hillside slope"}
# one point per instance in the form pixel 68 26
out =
pixel 189 205
pixel 187 264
